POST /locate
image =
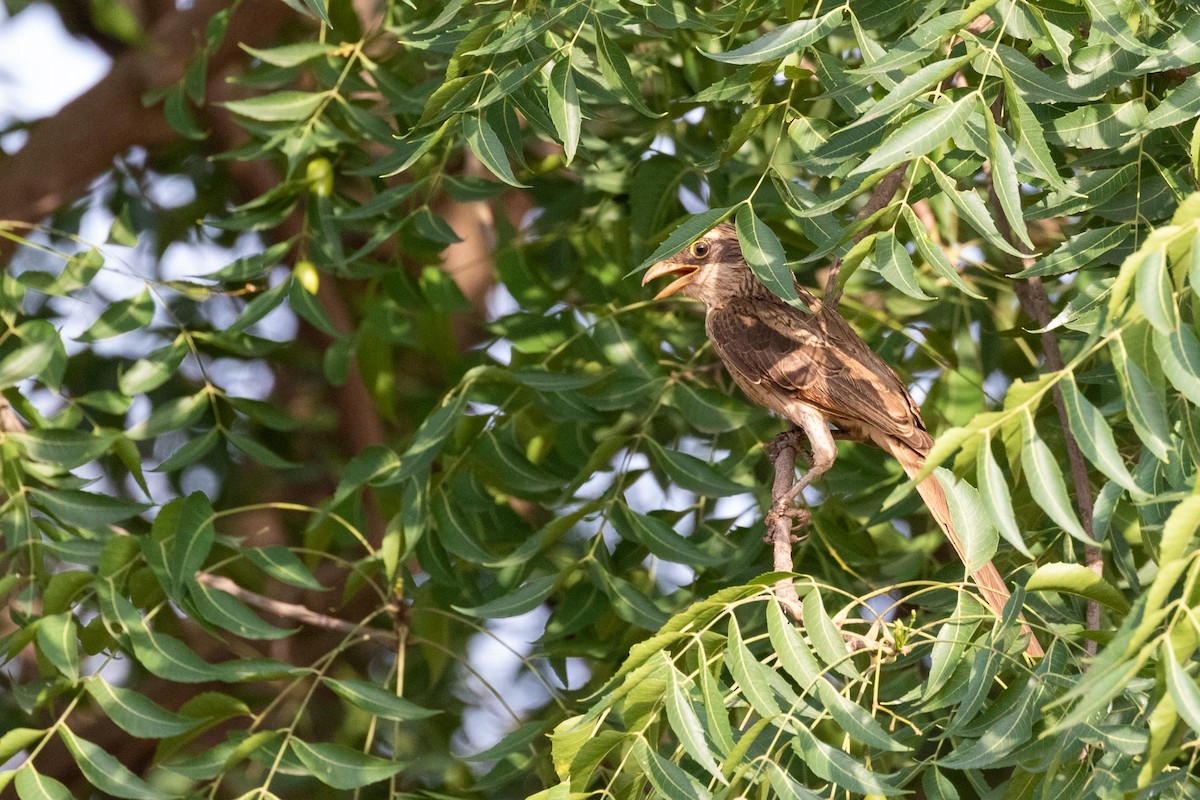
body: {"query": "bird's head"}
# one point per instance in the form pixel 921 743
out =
pixel 711 269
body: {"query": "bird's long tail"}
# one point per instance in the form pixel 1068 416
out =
pixel 991 584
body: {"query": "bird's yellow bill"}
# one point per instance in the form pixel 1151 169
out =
pixel 685 271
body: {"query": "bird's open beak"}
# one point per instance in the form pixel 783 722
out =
pixel 684 271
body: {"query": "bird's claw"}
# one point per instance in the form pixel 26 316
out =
pixel 793 438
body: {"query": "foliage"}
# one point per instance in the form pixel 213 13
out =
pixel 560 471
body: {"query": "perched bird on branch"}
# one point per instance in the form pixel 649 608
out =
pixel 813 370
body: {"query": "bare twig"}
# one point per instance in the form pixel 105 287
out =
pixel 296 613
pixel 880 197
pixel 779 526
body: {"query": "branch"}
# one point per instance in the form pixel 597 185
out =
pixel 878 199
pixel 67 151
pixel 779 526
pixel 1036 304
pixel 291 611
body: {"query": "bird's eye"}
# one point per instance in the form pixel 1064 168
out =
pixel 701 249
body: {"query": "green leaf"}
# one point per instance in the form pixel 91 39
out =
pixel 33 785
pixel 377 701
pixel 180 540
pixel 659 538
pixel 629 603
pixel 1004 180
pixel 65 448
pixel 283 565
pixel 341 767
pixel 1183 689
pixel 58 641
pixel 285 106
pixel 426 443
pixel 1078 580
pixel 993 491
pixel 17 739
pixel 1179 353
pixel 1110 20
pixel 667 778
pixel 1045 480
pixel 219 608
pixel 782 41
pixel 790 648
pixel 896 266
pixel 685 722
pixel 972 209
pixel 839 768
pixel 521 600
pixel 1145 399
pixel 1003 735
pixel 123 316
pixel 488 148
pixel 150 372
pixel 106 773
pixel 259 452
pixel 919 135
pixel 617 74
pixel 978 535
pixel 563 100
pixel 826 638
pixel 1079 250
pixel 691 473
pixel 934 255
pixel 290 55
pixel 84 509
pixel 26 362
pixel 1155 293
pixel 765 255
pixel 684 234
pixel 1095 437
pixel 137 714
pixel 750 674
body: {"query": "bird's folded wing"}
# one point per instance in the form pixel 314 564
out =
pixel 819 361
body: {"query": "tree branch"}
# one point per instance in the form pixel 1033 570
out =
pixel 291 611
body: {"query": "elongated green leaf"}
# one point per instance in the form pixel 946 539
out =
pixel 563 99
pixel 152 371
pixel 826 638
pixel 667 778
pixel 972 209
pixel 65 448
pixel 1045 480
pixel 1004 180
pixel 979 537
pixel 285 106
pixel 342 767
pixel 1155 294
pixel 85 509
pixel 58 641
pixel 750 674
pixel 684 234
pixel 659 538
pixel 33 785
pixel 425 446
pixel 615 69
pixel 105 772
pixel 841 769
pixel 1095 437
pixel 782 41
pixel 283 565
pixel 488 148
pixel 691 473
pixel 919 135
pixel 290 55
pixel 1145 399
pixel 933 254
pixel 219 608
pixel 1179 353
pixel 521 600
pixel 1001 737
pixel 1079 251
pixel 1078 580
pixel 896 266
pixel 180 540
pixel 993 491
pixel 765 256
pixel 913 86
pixel 1111 20
pixel 137 714
pixel 377 701
pixel 686 724
pixel 25 362
pixel 855 720
pixel 121 317
pixel 1182 687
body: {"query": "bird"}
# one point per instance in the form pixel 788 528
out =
pixel 811 368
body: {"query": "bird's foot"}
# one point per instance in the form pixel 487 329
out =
pixel 800 518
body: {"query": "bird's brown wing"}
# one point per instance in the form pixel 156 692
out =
pixel 819 360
